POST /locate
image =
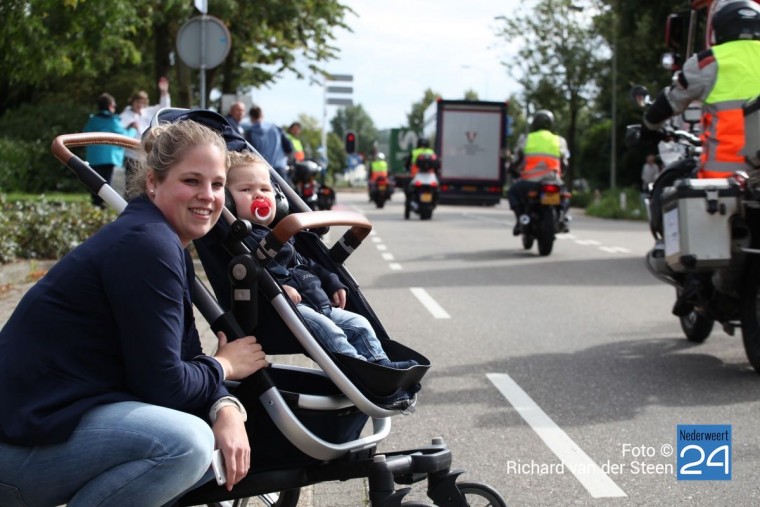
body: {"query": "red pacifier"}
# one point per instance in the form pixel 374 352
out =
pixel 261 210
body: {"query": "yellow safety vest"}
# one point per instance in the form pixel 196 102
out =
pixel 416 153
pixel 542 155
pixel 737 80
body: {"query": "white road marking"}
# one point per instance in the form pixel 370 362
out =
pixel 587 242
pixel 382 248
pixel 395 266
pixel 376 239
pixel 387 256
pixel 428 302
pixel 614 249
pixel 588 473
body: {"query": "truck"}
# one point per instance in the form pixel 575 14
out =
pixel 469 138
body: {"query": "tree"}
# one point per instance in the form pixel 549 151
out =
pixel 75 49
pixel 558 59
pixel 415 118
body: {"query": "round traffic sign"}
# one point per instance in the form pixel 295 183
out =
pixel 203 42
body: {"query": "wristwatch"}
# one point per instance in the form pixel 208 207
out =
pixel 226 401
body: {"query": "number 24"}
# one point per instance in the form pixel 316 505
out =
pixel 685 469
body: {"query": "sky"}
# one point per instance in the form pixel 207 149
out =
pixel 400 48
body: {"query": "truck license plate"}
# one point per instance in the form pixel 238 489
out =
pixel 426 197
pixel 550 199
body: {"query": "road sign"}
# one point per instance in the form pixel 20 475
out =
pixel 340 102
pixel 340 89
pixel 203 42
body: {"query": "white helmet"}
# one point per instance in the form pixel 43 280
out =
pixel 381 156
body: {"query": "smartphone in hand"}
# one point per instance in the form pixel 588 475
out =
pixel 217 464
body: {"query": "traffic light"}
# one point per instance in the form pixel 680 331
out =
pixel 350 142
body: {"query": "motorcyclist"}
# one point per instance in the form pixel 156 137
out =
pixel 423 148
pixel 723 77
pixel 378 167
pixel 539 155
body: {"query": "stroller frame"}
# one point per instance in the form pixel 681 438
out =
pixel 332 461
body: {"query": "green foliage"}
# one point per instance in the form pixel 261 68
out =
pixel 26 163
pixel 46 229
pixel 609 205
pixel 415 118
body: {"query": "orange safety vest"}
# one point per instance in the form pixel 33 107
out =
pixel 542 155
pixel 737 80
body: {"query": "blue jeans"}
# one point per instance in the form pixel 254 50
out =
pixel 127 453
pixel 344 332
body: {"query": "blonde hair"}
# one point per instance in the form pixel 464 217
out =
pixel 245 157
pixel 165 145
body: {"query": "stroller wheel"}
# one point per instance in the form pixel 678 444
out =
pixel 287 498
pixel 478 494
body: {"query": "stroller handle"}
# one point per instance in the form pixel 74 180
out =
pixel 295 222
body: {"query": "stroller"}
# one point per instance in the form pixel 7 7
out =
pixel 305 424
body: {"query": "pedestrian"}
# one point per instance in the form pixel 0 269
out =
pixel 235 116
pixel 294 135
pixel 106 395
pixel 270 141
pixel 138 111
pixel 104 158
pixel 649 172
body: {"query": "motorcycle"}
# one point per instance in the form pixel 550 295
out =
pixel 707 237
pixel 380 190
pixel 546 203
pixel 423 189
pixel 314 193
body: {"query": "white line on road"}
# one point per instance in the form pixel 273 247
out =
pixel 614 249
pixel 428 302
pixel 387 256
pixel 395 266
pixel 588 473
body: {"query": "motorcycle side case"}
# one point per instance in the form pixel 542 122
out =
pixel 696 226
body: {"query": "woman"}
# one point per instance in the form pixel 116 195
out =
pixel 104 389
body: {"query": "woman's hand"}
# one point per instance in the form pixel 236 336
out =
pixel 339 298
pixel 240 358
pixel 293 294
pixel 232 439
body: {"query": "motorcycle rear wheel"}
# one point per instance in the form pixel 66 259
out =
pixel 750 318
pixel 696 326
pixel 546 232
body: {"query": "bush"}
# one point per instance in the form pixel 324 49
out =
pixel 45 229
pixel 609 205
pixel 26 163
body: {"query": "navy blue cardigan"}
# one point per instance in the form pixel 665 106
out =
pixel 112 321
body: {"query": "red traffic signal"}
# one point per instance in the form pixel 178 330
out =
pixel 350 142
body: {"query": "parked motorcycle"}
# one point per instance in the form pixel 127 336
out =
pixel 380 190
pixel 707 237
pixel 305 176
pixel 423 189
pixel 546 203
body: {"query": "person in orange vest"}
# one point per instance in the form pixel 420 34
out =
pixel 294 134
pixel 723 78
pixel 539 155
pixel 378 167
pixel 423 148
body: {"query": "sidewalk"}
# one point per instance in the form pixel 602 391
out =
pixel 18 277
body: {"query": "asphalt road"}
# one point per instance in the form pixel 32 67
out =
pixel 557 380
